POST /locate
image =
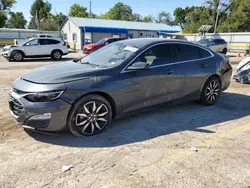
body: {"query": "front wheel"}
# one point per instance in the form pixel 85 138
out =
pixel 211 91
pixel 89 116
pixel 17 56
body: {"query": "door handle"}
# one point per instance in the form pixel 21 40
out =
pixel 204 65
pixel 169 71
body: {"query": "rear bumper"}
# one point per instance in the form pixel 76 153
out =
pixel 225 79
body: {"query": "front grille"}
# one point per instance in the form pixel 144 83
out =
pixel 15 106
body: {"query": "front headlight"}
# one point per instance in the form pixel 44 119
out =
pixel 44 96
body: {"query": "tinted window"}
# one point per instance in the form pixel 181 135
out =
pixel 219 41
pixel 186 52
pixel 158 55
pixel 54 41
pixel 111 40
pixel 48 42
pixel 44 42
pixel 204 53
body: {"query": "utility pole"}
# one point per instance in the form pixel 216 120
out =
pixel 217 17
pixel 90 9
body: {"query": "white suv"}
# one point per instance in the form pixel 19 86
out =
pixel 37 47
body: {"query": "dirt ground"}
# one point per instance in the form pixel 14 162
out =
pixel 187 145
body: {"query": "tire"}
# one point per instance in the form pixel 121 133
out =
pixel 17 56
pixel 56 55
pixel 210 91
pixel 224 51
pixel 89 116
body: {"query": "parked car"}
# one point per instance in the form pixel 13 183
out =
pixel 86 94
pixel 22 41
pixel 36 47
pixel 217 45
pixel 89 48
pixel 243 71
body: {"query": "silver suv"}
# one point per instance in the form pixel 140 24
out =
pixel 217 45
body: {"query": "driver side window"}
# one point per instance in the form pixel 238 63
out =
pixel 157 55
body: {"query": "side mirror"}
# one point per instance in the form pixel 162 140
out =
pixel 213 43
pixel 139 66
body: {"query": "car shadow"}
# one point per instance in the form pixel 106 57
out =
pixel 158 121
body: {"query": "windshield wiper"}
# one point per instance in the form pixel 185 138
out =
pixel 94 65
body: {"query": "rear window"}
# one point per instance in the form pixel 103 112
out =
pixel 204 53
pixel 54 41
pixel 186 52
pixel 220 41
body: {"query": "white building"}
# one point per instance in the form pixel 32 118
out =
pixel 78 30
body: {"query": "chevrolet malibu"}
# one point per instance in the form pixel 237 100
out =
pixel 85 95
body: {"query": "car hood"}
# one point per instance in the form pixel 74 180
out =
pixel 9 46
pixel 90 46
pixel 60 73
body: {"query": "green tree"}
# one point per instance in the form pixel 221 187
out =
pixel 7 4
pixel 59 18
pixel 39 10
pixel 180 16
pixel 120 11
pixel 137 17
pixel 238 17
pixel 5 10
pixel 78 11
pixel 148 19
pixel 17 20
pixel 196 17
pixel 3 18
pixel 165 17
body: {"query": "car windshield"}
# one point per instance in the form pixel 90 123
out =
pixel 110 56
pixel 204 42
pixel 102 41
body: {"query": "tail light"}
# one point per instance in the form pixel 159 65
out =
pixel 16 42
pixel 64 44
pixel 225 65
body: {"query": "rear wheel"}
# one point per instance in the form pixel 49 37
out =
pixel 224 51
pixel 211 91
pixel 17 56
pixel 90 116
pixel 56 55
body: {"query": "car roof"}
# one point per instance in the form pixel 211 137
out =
pixel 141 42
pixel 45 38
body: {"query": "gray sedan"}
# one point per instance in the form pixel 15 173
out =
pixel 86 94
pixel 217 45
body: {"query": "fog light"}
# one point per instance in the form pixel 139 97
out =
pixel 45 116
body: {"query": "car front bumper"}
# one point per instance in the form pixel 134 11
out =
pixel 41 116
pixel 6 54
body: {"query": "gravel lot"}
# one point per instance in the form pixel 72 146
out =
pixel 187 145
